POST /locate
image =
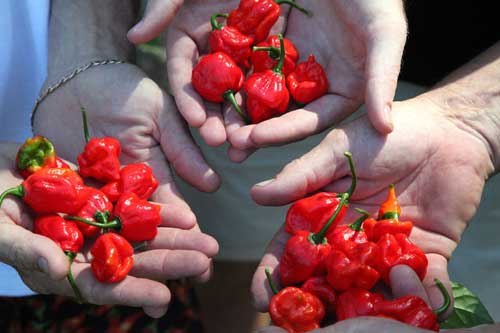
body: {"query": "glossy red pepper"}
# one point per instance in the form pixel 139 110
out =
pixel 100 157
pixel 217 78
pixel 267 95
pixel 61 164
pixel 229 40
pixel 97 203
pixel 319 287
pixel 51 190
pixel 35 153
pixel 308 81
pixel 295 310
pixel 266 55
pixel 137 178
pixel 388 219
pixel 356 302
pixel 399 250
pixel 255 18
pixel 111 258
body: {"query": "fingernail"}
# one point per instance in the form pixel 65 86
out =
pixel 265 182
pixel 388 116
pixel 136 27
pixel 43 265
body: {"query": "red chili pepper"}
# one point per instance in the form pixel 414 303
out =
pixel 319 287
pixel 137 178
pixel 112 258
pixel 100 157
pixel 399 250
pixel 388 219
pixel 135 219
pixel 35 153
pixel 312 213
pixel 267 95
pixel 217 78
pixel 308 81
pixel 61 164
pixel 356 302
pixel 255 18
pixel 266 55
pixel 230 41
pixel 97 203
pixel 51 190
pixel 66 235
pixel 295 310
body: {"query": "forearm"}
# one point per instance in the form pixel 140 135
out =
pixel 86 30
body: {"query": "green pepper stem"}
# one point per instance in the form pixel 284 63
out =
pixel 390 215
pixel 114 224
pixel 270 281
pixel 317 238
pixel 78 295
pixel 17 191
pixel 295 5
pixel 447 299
pixel 354 180
pixel 85 125
pixel 274 52
pixel 357 225
pixel 229 96
pixel 279 67
pixel 213 20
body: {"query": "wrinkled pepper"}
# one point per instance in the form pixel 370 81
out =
pixel 356 302
pixel 137 178
pixel 255 18
pixel 97 202
pixel 266 55
pixel 295 310
pixel 35 153
pixel 229 40
pixel 51 190
pixel 267 95
pixel 388 219
pixel 111 258
pixel 217 77
pixel 308 81
pixel 319 287
pixel 100 156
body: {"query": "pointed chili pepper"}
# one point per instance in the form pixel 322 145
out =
pixel 388 219
pixel 255 18
pixel 97 202
pixel 356 302
pixel 66 235
pixel 229 40
pixel 35 153
pixel 100 157
pixel 111 258
pixel 319 287
pixel 267 95
pixel 312 213
pixel 266 55
pixel 399 250
pixel 295 310
pixel 217 78
pixel 308 81
pixel 137 178
pixel 51 190
pixel 135 219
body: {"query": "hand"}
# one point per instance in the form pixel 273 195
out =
pixel 360 45
pixel 436 158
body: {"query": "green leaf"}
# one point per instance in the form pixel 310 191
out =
pixel 468 310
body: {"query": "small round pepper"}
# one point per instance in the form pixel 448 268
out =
pixel 266 55
pixel 308 81
pixel 111 258
pixel 35 153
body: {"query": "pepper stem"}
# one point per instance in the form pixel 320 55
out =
pixel 71 256
pixel 279 67
pixel 317 238
pixel 357 225
pixel 18 191
pixel 295 5
pixel 213 20
pixel 446 295
pixel 114 224
pixel 229 96
pixel 85 125
pixel 354 180
pixel 274 52
pixel 270 281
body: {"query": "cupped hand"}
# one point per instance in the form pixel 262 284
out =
pixel 437 161
pixel 360 45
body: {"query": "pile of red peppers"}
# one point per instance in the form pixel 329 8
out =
pixel 69 212
pixel 330 267
pixel 244 45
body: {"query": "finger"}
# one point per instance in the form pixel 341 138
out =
pixel 205 276
pixel 261 292
pixel 177 239
pixel 27 251
pixel 182 53
pixel 235 122
pixel 155 312
pixel 404 281
pixel 270 329
pixel 157 16
pixel 437 269
pixel 237 155
pixel 369 325
pixel 164 265
pixel 213 131
pixel 177 216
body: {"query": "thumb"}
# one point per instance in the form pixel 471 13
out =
pixel 25 250
pixel 157 16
